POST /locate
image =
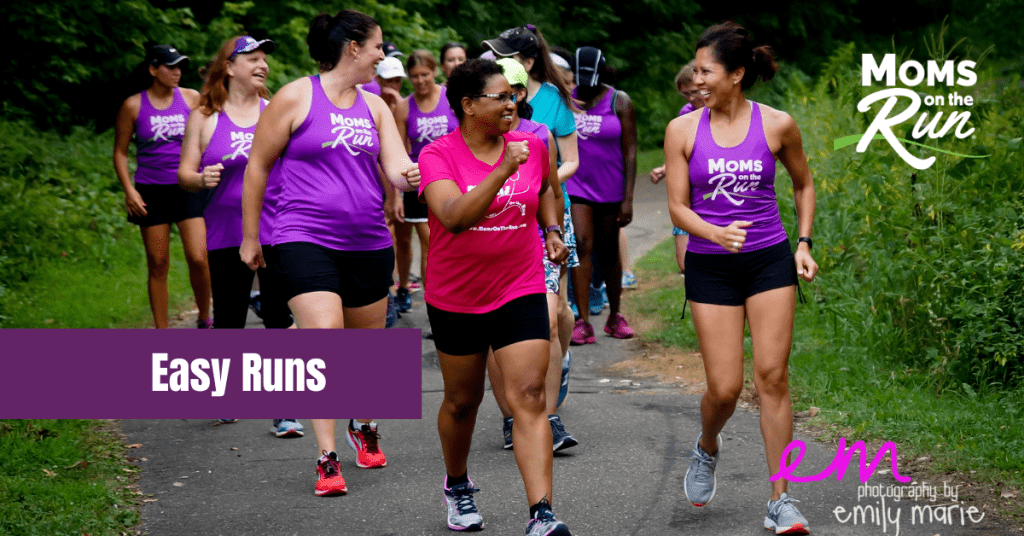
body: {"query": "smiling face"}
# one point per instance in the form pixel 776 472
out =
pixel 422 79
pixel 490 113
pixel 366 56
pixel 249 69
pixel 166 75
pixel 717 86
pixel 453 57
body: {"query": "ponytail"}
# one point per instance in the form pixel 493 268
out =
pixel 328 35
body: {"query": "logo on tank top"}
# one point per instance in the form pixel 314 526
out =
pixel 735 178
pixel 353 133
pixel 166 127
pixel 587 125
pixel 431 128
pixel 240 144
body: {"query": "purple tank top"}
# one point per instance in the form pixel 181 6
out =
pixel 372 87
pixel 158 135
pixel 735 183
pixel 538 129
pixel 331 192
pixel 600 177
pixel 425 127
pixel 229 146
pixel 687 108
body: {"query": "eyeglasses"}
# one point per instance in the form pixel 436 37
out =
pixel 501 97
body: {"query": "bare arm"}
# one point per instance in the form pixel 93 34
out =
pixel 570 154
pixel 273 131
pixel 459 211
pixel 394 160
pixel 554 182
pixel 124 127
pixel 189 176
pixel 627 116
pixel 678 144
pixel 792 156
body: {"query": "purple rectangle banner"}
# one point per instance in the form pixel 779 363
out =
pixel 208 374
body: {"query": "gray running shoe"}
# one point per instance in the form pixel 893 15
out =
pixel 560 439
pixel 506 430
pixel 462 512
pixel 545 524
pixel 700 483
pixel 784 518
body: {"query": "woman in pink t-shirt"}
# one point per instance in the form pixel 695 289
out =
pixel 487 189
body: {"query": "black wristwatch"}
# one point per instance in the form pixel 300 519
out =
pixel 810 243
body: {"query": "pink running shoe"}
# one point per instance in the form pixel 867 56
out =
pixel 618 328
pixel 583 333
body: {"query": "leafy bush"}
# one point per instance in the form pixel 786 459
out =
pixel 923 267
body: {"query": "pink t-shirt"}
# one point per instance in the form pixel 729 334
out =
pixel 498 259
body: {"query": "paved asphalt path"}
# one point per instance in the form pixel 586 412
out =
pixel 625 477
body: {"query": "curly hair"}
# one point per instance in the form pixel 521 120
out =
pixel 469 79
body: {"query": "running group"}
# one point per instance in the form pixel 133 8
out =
pixel 517 174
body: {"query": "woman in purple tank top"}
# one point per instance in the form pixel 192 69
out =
pixel 739 266
pixel 214 155
pixel 601 191
pixel 156 118
pixel 422 118
pixel 335 256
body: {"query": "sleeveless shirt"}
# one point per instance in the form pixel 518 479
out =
pixel 158 135
pixel 600 177
pixel 425 127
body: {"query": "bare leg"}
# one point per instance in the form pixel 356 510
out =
pixel 403 252
pixel 497 386
pixel 771 330
pixel 319 310
pixel 423 233
pixel 553 379
pixel 582 219
pixel 624 251
pixel 524 365
pixel 193 237
pixel 156 240
pixel 456 418
pixel 720 332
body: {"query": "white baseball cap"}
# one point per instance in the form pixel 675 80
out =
pixel 390 68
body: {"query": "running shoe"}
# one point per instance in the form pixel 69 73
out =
pixel 604 296
pixel 404 300
pixel 392 316
pixel 582 333
pixel 255 303
pixel 364 442
pixel 226 421
pixel 329 481
pixel 506 430
pixel 618 328
pixel 205 324
pixel 414 286
pixel 628 280
pixel 700 482
pixel 563 388
pixel 596 300
pixel 784 518
pixel 545 524
pixel 462 512
pixel 560 439
pixel 287 428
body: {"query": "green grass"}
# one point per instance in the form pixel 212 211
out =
pixel 862 396
pixel 73 293
pixel 63 477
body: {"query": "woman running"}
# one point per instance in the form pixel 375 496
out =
pixel 552 104
pixel 422 118
pixel 487 189
pixel 156 119
pixel 334 250
pixel 601 192
pixel 214 154
pixel 720 164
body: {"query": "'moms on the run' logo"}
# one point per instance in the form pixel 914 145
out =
pixel 950 74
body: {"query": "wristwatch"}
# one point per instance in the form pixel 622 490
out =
pixel 810 243
pixel 555 228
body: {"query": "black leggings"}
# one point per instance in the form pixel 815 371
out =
pixel 232 280
pixel 597 232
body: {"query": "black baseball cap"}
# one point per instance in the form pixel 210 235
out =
pixel 164 55
pixel 519 40
pixel 590 63
pixel 390 50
